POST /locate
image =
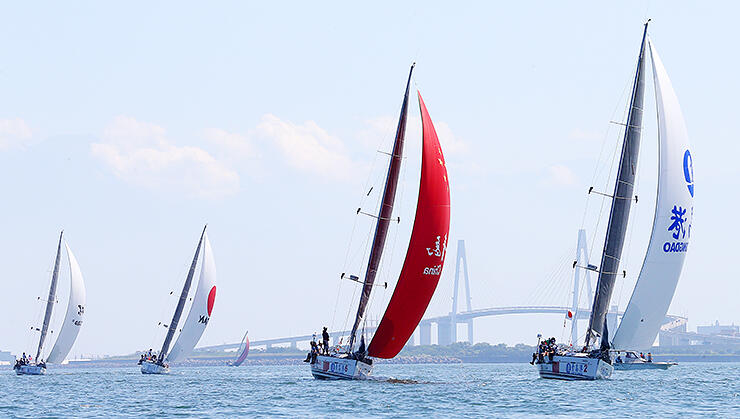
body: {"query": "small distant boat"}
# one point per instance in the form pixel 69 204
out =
pixel 198 317
pixel 421 268
pixel 72 321
pixel 668 244
pixel 633 361
pixel 243 351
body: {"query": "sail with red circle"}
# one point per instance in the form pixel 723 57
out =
pixel 426 252
pixel 200 311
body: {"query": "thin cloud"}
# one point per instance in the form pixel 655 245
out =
pixel 306 147
pixel 237 145
pixel 139 153
pixel 14 133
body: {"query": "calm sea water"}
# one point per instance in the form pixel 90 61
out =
pixel 691 389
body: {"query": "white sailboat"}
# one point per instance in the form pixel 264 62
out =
pixel 668 244
pixel 422 266
pixel 674 213
pixel 631 360
pixel 72 320
pixel 198 317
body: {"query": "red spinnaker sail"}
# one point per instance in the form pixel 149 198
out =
pixel 426 253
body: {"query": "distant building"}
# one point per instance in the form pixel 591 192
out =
pixel 718 329
pixel 6 357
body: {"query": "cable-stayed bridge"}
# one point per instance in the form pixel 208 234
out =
pixel 446 325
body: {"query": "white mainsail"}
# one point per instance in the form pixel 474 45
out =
pixel 200 311
pixel 674 212
pixel 75 312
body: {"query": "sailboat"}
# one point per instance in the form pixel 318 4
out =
pixel 668 243
pixel 198 317
pixel 72 320
pixel 421 268
pixel 671 233
pixel 243 351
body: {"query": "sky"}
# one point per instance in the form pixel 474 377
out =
pixel 131 125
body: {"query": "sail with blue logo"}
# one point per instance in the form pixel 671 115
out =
pixel 674 213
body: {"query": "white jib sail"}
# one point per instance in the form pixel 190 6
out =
pixel 75 312
pixel 200 311
pixel 674 213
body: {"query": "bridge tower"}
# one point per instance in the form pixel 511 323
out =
pixel 447 331
pixel 581 270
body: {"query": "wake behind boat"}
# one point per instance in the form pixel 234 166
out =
pixel 198 317
pixel 421 268
pixel 71 324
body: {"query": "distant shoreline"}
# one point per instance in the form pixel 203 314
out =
pixel 410 360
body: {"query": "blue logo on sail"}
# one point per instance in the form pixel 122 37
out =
pixel 678 229
pixel 688 171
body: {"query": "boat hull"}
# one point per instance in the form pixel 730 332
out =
pixel 575 367
pixel 152 368
pixel 30 370
pixel 629 366
pixel 336 368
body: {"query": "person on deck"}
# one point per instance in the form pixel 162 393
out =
pixel 642 356
pixel 649 357
pixel 325 338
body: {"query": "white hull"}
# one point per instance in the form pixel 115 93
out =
pixel 148 367
pixel 627 366
pixel 575 367
pixel 335 368
pixel 30 370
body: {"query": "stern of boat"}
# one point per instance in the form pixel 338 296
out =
pixel 336 368
pixel 148 367
pixel 573 367
pixel 30 370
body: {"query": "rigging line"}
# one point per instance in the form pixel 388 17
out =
pixel 172 285
pixel 630 235
pixel 547 282
pixel 372 176
pixel 625 115
pixel 607 134
pixel 386 267
pixel 43 288
pixel 617 148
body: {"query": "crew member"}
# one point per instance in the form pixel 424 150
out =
pixel 325 338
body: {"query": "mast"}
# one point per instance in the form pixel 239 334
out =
pixel 621 202
pixel 384 216
pixel 52 297
pixel 183 299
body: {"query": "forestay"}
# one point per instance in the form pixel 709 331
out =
pixel 75 312
pixel 426 252
pixel 200 311
pixel 674 213
pixel 621 203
